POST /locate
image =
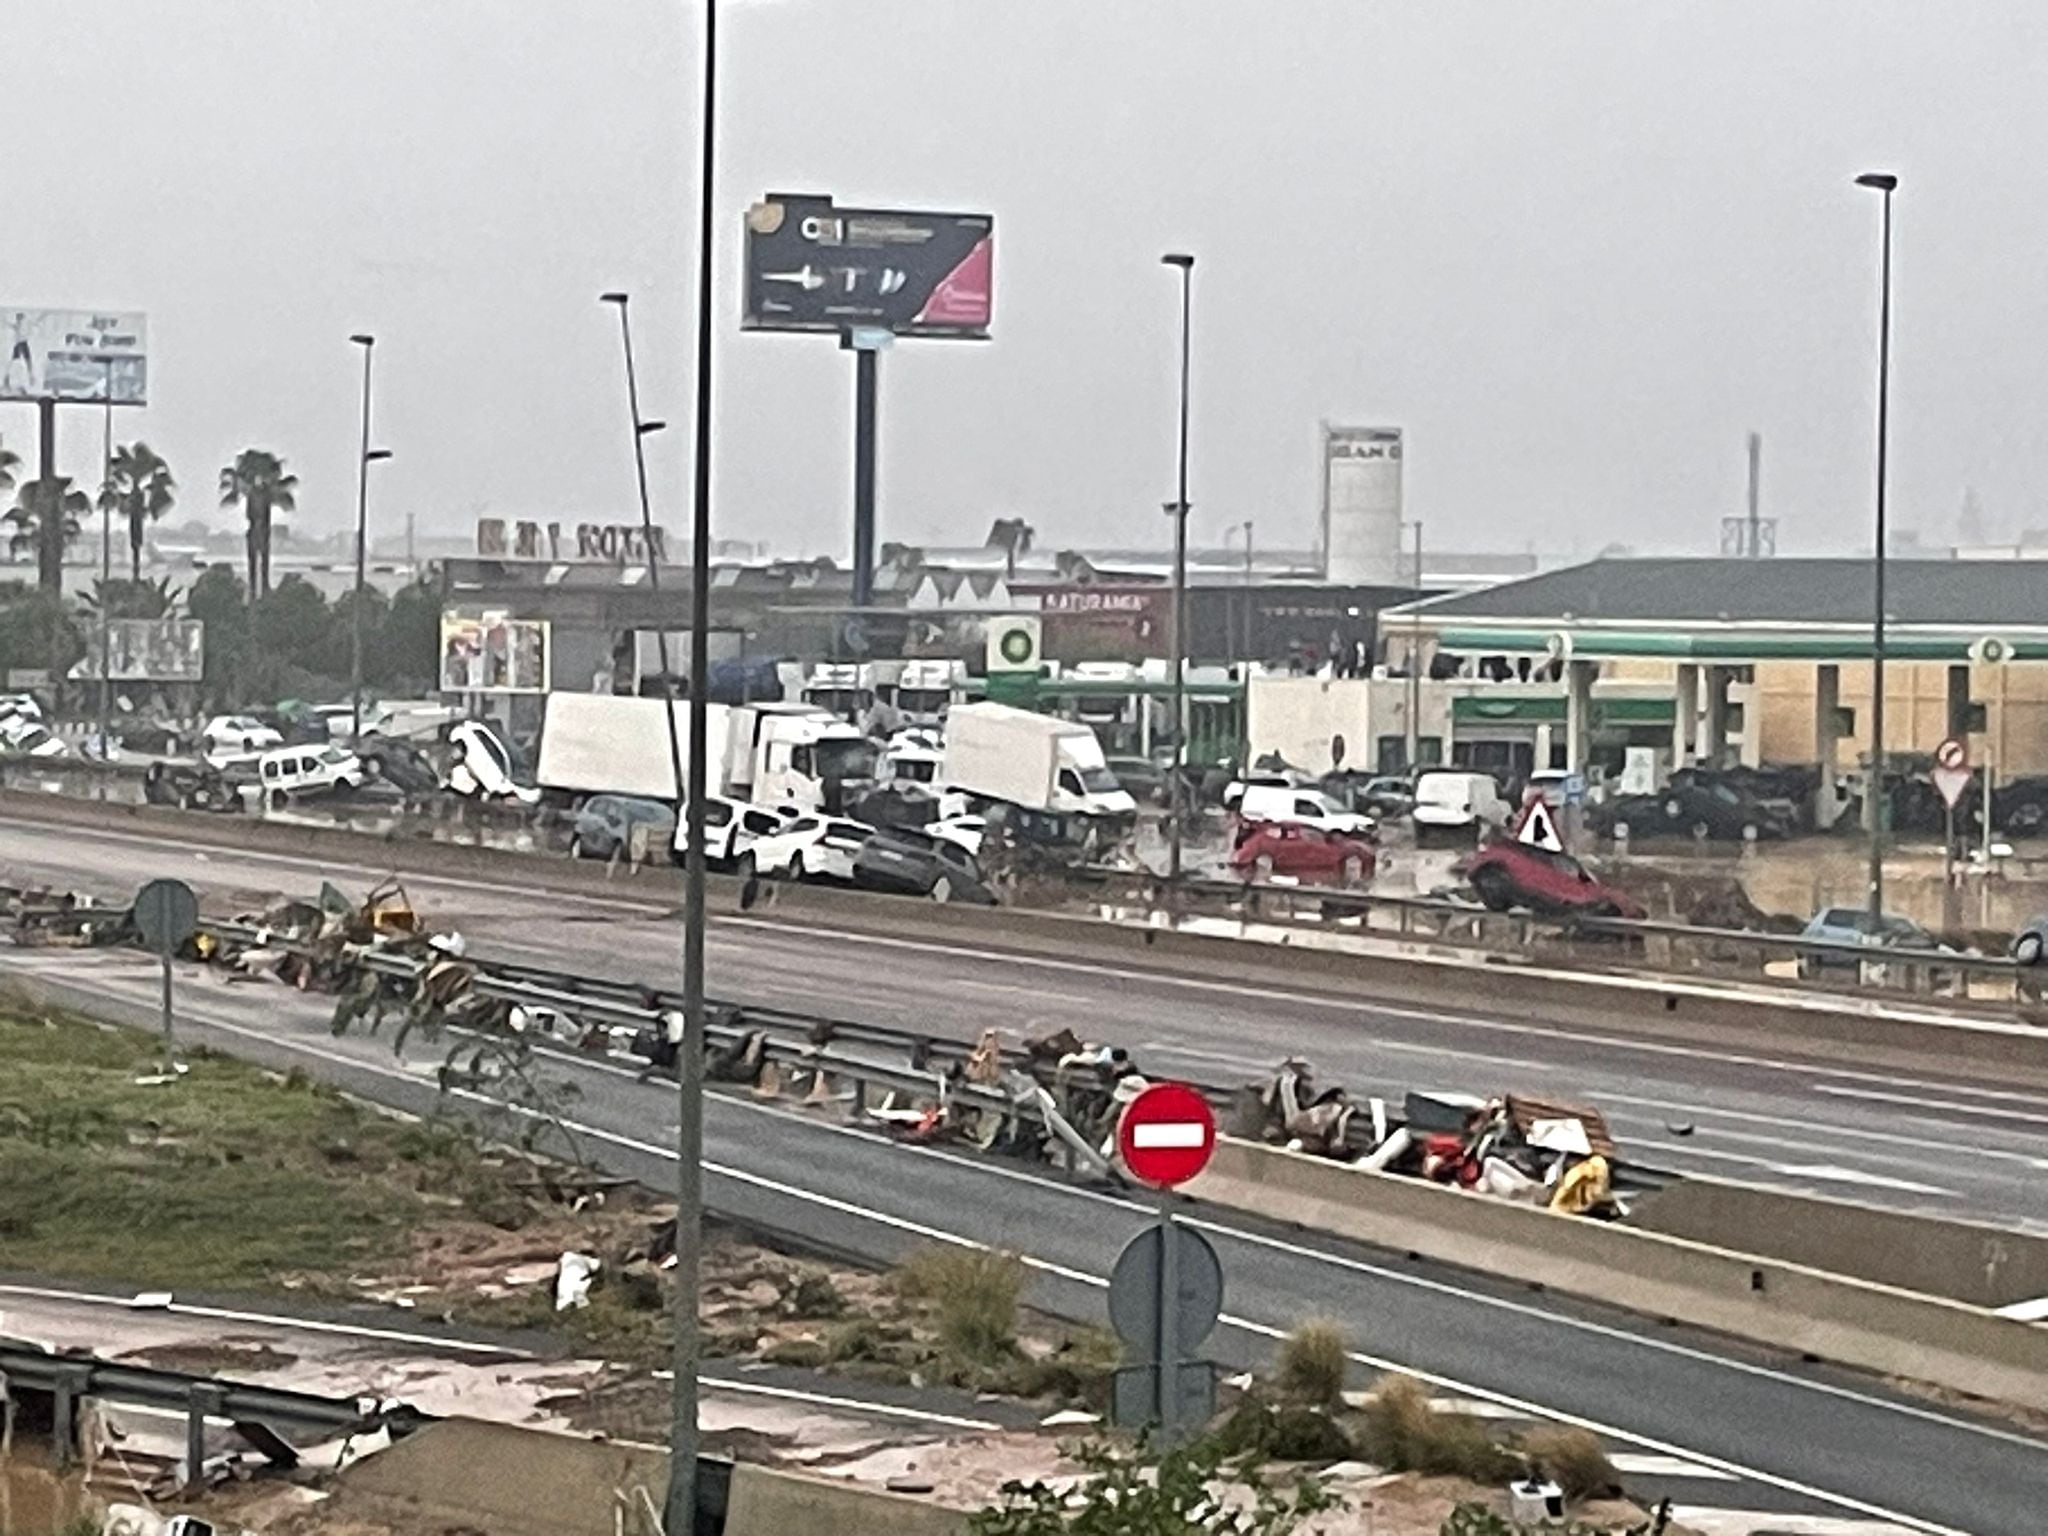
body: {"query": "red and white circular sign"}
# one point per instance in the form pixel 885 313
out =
pixel 1166 1135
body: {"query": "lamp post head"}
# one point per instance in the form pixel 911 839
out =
pixel 613 298
pixel 1878 181
pixel 1179 259
pixel 376 455
pixel 363 340
pixel 645 427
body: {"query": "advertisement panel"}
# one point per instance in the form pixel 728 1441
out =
pixel 1362 505
pixel 147 651
pixel 812 266
pixel 73 354
pixel 493 653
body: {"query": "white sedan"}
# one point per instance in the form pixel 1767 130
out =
pixel 811 848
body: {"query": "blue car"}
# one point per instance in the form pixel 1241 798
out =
pixel 1854 925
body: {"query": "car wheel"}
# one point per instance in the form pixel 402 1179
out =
pixel 577 849
pixel 1354 870
pixel 2027 950
pixel 1698 831
pixel 743 866
pixel 373 765
pixel 942 888
pixel 277 800
pixel 1491 886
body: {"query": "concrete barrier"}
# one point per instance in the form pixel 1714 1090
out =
pixel 1963 1261
pixel 1830 1317
pixel 1684 1012
pixel 512 1480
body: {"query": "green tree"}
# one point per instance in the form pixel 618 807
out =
pixel 291 627
pixel 135 599
pixel 1168 1495
pixel 258 484
pixel 36 631
pixel 140 489
pixel 46 517
pixel 220 600
pixel 408 650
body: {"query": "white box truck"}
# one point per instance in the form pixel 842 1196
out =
pixel 608 744
pixel 796 755
pixel 995 752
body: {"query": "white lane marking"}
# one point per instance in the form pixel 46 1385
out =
pixel 1832 1173
pixel 1170 1133
pixel 2034 1311
pixel 1260 1330
pixel 1981 1111
pixel 826 1400
pixel 1748 1522
pixel 1640 1464
pixel 1350 1007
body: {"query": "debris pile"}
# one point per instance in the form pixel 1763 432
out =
pixel 1511 1146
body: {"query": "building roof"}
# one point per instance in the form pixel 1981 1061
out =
pixel 1716 609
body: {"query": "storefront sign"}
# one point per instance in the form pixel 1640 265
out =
pixel 585 543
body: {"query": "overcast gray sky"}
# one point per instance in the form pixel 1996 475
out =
pixel 1575 250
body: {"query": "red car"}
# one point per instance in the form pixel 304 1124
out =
pixel 1304 853
pixel 1506 874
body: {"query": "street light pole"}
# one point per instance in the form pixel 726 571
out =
pixel 106 576
pixel 1885 183
pixel 355 632
pixel 679 1514
pixel 1178 509
pixel 1414 742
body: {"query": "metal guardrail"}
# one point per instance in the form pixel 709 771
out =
pixel 1610 943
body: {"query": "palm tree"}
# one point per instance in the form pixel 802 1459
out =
pixel 257 483
pixel 46 517
pixel 140 488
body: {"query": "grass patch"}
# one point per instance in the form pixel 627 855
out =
pixel 1401 1432
pixel 973 1295
pixel 228 1178
pixel 1312 1362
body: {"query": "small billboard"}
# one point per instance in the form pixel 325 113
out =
pixel 73 354
pixel 146 651
pixel 493 653
pixel 813 266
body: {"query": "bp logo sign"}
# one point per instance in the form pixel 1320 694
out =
pixel 1013 645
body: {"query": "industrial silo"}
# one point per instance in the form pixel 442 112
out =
pixel 1362 506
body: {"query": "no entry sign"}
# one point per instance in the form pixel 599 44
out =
pixel 1166 1135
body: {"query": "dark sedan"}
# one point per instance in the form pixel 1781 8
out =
pixel 907 862
pixel 1689 808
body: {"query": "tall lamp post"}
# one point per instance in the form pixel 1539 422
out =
pixel 1885 184
pixel 368 457
pixel 641 429
pixel 679 1513
pixel 106 577
pixel 1178 510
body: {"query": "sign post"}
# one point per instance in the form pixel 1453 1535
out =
pixel 1167 1289
pixel 166 914
pixel 1952 775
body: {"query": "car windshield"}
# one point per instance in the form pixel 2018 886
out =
pixel 333 755
pixel 922 701
pixel 917 770
pixel 716 813
pixel 1099 781
pixel 845 759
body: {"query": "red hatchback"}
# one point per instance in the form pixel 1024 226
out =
pixel 1304 853
pixel 1508 874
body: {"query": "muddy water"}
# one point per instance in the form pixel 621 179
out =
pixel 36 1500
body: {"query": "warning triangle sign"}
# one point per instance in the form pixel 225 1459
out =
pixel 1539 828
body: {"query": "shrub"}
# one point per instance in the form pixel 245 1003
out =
pixel 1403 1433
pixel 1312 1363
pixel 973 1294
pixel 815 1296
pixel 1574 1459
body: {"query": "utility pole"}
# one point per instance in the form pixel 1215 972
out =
pixel 1874 794
pixel 1178 509
pixel 1755 540
pixel 355 632
pixel 106 580
pixel 1413 745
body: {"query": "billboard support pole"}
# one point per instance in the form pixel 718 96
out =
pixel 106 583
pixel 866 349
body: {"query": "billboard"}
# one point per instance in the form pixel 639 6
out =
pixel 73 354
pixel 812 266
pixel 146 651
pixel 493 653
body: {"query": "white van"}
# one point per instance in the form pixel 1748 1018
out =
pixel 1301 806
pixel 288 771
pixel 1454 801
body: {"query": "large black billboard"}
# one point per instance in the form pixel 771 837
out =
pixel 812 266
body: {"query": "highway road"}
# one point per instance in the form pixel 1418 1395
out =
pixel 1941 1142
pixel 1725 1424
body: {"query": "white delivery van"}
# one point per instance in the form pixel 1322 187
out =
pixel 1455 804
pixel 287 772
pixel 1304 807
pixel 1017 757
